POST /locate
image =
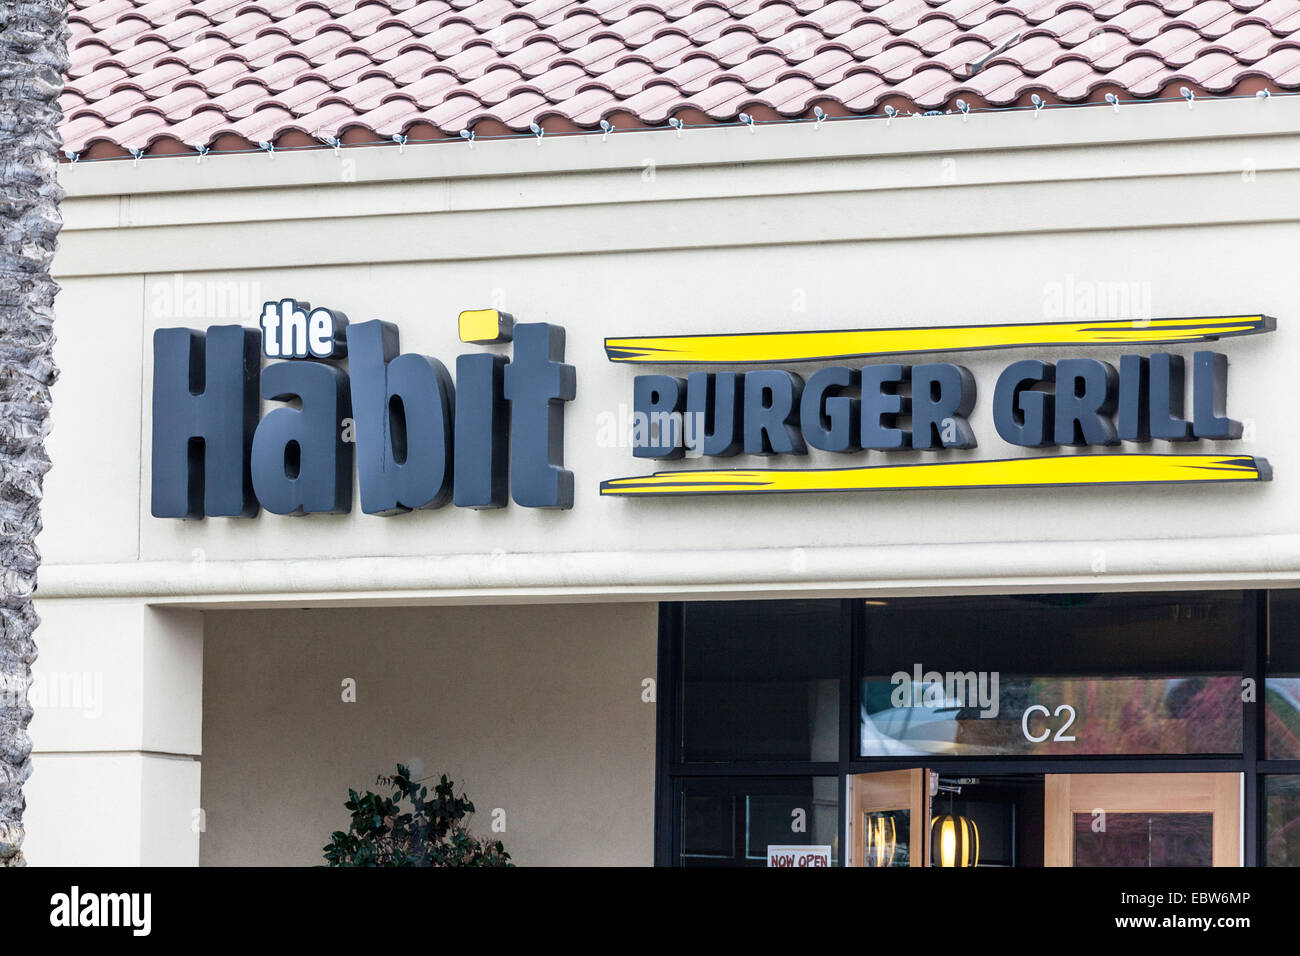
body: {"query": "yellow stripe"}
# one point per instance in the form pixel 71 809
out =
pixel 1118 469
pixel 776 347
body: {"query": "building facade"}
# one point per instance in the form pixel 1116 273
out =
pixel 693 675
pixel 512 648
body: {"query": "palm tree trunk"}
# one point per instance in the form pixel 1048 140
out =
pixel 33 57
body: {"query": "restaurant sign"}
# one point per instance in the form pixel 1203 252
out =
pixel 421 440
pixel 794 857
pixel 1074 402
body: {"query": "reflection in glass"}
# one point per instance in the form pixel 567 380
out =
pixel 1282 820
pixel 1282 717
pixel 1097 715
pixel 886 838
pixel 761 681
pixel 1143 839
pixel 1282 677
pixel 731 821
pixel 708 827
pixel 1053 674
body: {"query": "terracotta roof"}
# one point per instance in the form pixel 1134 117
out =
pixel 168 76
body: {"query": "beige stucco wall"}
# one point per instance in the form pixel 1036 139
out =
pixel 537 711
pixel 857 224
pixel 929 221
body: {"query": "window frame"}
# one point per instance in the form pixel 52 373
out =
pixel 670 770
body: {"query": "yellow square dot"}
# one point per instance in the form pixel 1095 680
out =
pixel 483 326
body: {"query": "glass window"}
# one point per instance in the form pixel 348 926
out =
pixel 1144 839
pixel 995 825
pixel 886 838
pixel 1282 679
pixel 1282 820
pixel 1067 674
pixel 732 821
pixel 761 681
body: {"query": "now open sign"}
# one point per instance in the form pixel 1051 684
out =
pixel 798 856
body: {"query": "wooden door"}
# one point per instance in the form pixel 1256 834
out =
pixel 1112 819
pixel 890 820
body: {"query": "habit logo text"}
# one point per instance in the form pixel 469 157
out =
pixel 421 441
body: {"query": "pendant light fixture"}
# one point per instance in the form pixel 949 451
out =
pixel 954 839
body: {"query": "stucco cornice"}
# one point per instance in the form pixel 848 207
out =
pixel 1161 165
pixel 1272 560
pixel 1021 130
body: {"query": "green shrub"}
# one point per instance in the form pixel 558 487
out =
pixel 434 832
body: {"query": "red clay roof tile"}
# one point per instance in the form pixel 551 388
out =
pixel 252 70
pixel 1213 70
pixel 197 130
pixel 1071 79
pixel 182 102
pixel 836 17
pixel 221 77
pixel 263 124
pixel 855 87
pixel 304 96
pixel 827 66
pixel 957 58
pixel 992 83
